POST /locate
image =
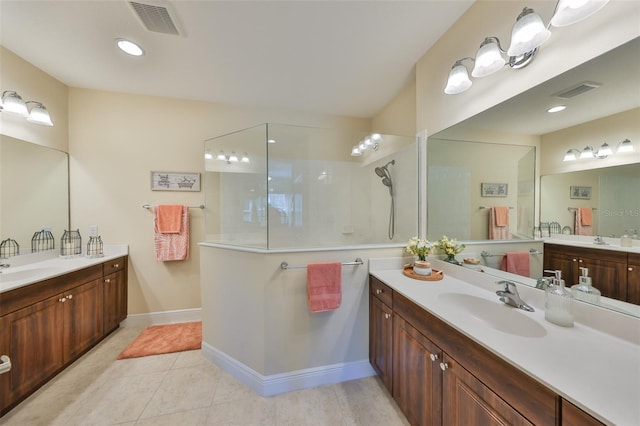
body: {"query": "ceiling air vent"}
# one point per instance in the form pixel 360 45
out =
pixel 579 89
pixel 155 16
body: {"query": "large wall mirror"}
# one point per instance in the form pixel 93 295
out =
pixel 34 191
pixel 614 182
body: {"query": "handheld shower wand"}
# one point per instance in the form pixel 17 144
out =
pixel 383 172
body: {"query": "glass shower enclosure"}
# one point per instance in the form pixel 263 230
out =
pixel 278 186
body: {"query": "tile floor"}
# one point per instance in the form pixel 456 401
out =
pixel 185 389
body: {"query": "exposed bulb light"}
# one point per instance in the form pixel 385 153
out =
pixel 208 156
pixel 12 103
pixel 489 58
pixel 233 158
pixel 271 141
pixel 245 158
pixel 368 141
pixel 529 33
pixel 625 146
pixel 38 114
pixel 355 151
pixel 221 156
pixel 458 80
pixel 557 108
pixel 362 146
pixel 571 11
pixel 129 47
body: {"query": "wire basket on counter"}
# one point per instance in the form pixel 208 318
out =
pixel 8 248
pixel 95 247
pixel 71 243
pixel 42 240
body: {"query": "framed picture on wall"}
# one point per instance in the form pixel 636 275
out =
pixel 580 192
pixel 175 181
pixel 495 189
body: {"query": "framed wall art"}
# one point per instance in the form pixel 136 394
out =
pixel 175 181
pixel 495 189
pixel 580 192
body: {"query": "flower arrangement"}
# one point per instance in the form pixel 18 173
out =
pixel 449 247
pixel 418 247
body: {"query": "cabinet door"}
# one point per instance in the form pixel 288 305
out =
pixel 573 416
pixel 5 349
pixel 466 401
pixel 607 276
pixel 115 300
pixel 558 261
pixel 36 334
pixel 633 279
pixel 417 378
pixel 381 339
pixel 83 318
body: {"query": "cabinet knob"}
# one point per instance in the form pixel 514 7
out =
pixel 107 280
pixel 69 297
pixel 444 366
pixel 580 261
pixel 378 291
pixel 575 260
pixel 630 268
pixel 116 265
pixel 64 299
pixel 434 357
pixel 387 316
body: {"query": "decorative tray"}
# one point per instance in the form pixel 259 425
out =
pixel 436 274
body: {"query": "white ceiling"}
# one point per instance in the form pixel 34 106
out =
pixel 337 57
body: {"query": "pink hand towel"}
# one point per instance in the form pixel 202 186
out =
pixel 324 286
pixel 516 262
pixel 579 227
pixel 585 216
pixel 174 246
pixel 169 218
pixel 502 216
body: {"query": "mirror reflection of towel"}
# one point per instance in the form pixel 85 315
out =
pixel 516 263
pixel 586 216
pixel 579 227
pixel 497 232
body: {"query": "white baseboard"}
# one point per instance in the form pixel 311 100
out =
pixel 286 382
pixel 167 317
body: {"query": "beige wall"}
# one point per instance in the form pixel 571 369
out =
pixel 32 84
pixel 568 47
pixel 398 117
pixel 115 141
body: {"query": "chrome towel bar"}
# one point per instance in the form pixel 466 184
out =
pixel 148 206
pixel 487 254
pixel 285 265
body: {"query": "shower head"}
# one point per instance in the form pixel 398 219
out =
pixel 380 171
pixel 387 182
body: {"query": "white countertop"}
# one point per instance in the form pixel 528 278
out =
pixel 597 371
pixel 28 269
pixel 612 244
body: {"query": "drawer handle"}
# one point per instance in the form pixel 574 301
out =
pixel 434 357
pixel 108 280
pixel 444 366
pixel 6 364
pixel 378 291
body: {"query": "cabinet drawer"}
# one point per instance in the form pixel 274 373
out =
pixel 380 290
pixel 113 266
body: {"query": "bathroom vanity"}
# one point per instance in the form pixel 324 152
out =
pixel 451 353
pixel 52 312
pixel 615 271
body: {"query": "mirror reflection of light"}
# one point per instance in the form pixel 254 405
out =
pixel 557 108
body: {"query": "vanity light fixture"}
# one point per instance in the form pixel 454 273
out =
pixel 527 35
pixel 245 158
pixel 603 152
pixel 221 156
pixel 208 156
pixel 371 141
pixel 129 47
pixel 38 114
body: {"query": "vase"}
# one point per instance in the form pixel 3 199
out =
pixel 422 267
pixel 451 258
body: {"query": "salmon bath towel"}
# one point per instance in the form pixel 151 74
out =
pixel 583 221
pixel 324 286
pixel 171 245
pixel 516 262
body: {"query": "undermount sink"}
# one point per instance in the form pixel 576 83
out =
pixel 496 314
pixel 8 275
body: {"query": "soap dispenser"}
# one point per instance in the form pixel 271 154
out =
pixel 584 290
pixel 625 240
pixel 558 302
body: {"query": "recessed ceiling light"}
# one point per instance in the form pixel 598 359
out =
pixel 129 47
pixel 557 108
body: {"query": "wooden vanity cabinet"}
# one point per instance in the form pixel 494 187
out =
pixel 115 293
pixel 47 325
pixel 633 278
pixel 381 331
pixel 573 416
pixel 607 268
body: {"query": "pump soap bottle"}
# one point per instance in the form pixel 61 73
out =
pixel 584 290
pixel 558 302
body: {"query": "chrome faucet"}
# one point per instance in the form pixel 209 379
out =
pixel 598 240
pixel 3 265
pixel 511 297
